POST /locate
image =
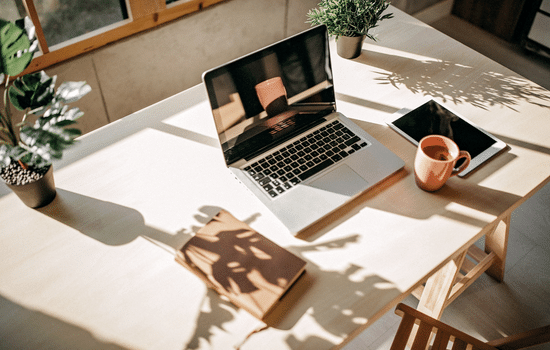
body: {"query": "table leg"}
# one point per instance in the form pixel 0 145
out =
pixel 436 294
pixel 437 290
pixel 497 243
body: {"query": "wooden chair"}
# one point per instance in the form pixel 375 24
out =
pixel 460 340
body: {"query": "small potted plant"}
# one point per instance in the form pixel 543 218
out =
pixel 28 148
pixel 349 21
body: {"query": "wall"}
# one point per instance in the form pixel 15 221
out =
pixel 136 72
pixel 413 6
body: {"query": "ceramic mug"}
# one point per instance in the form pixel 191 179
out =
pixel 272 96
pixel 435 162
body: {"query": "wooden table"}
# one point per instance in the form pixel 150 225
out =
pixel 96 269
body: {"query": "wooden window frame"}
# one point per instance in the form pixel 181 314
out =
pixel 143 15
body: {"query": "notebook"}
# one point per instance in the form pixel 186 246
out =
pixel 282 136
pixel 241 264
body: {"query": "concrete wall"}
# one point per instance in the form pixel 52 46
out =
pixel 138 71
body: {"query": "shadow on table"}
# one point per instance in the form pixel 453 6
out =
pixel 116 225
pixel 350 289
pixel 152 117
pixel 413 202
pixel 41 330
pixel 399 194
pixel 410 201
pixel 106 222
pixel 523 144
pixel 465 85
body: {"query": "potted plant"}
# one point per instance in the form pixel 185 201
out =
pixel 349 21
pixel 28 148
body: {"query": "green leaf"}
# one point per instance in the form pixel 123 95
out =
pixel 56 146
pixel 15 53
pixel 73 114
pixel 349 17
pixel 29 135
pixel 72 91
pixel 40 157
pixel 48 139
pixel 34 91
pixel 5 159
pixel 64 123
pixel 72 133
pixel 18 153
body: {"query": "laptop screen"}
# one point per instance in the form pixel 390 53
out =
pixel 264 98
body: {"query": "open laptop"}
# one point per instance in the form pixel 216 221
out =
pixel 275 115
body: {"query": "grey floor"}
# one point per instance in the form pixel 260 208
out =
pixel 490 310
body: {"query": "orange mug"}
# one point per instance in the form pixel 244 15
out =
pixel 435 162
pixel 272 96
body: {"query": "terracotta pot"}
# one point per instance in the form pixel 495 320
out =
pixel 39 193
pixel 349 46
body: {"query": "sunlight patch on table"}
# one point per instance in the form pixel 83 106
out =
pixel 465 211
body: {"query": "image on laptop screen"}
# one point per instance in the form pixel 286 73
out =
pixel 272 94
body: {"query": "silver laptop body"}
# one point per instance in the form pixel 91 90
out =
pixel 275 115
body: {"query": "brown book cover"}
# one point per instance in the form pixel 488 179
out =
pixel 240 263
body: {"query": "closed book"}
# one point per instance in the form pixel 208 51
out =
pixel 249 269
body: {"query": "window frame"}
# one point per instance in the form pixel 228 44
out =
pixel 142 15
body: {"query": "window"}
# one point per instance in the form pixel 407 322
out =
pixel 63 20
pixel 68 28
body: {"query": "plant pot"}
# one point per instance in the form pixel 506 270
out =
pixel 349 46
pixel 38 193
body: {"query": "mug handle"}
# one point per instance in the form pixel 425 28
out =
pixel 467 159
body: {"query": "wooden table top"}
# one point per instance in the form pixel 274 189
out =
pixel 96 269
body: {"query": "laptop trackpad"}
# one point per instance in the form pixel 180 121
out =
pixel 342 180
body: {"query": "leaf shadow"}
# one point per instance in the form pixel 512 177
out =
pixel 349 286
pixel 455 82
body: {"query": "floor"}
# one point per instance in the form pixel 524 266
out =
pixel 490 310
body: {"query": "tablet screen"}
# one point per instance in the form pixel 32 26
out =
pixel 432 118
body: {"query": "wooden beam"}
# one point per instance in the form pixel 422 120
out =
pixel 143 8
pixel 470 277
pixel 31 11
pixel 438 288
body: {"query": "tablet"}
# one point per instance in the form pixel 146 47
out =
pixel 432 118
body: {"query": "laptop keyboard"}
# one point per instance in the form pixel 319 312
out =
pixel 283 169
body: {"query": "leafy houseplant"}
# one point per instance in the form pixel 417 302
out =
pixel 27 149
pixel 347 19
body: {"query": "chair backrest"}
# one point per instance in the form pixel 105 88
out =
pixel 444 334
pixel 419 336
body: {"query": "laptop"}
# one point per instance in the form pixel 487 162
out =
pixel 282 137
